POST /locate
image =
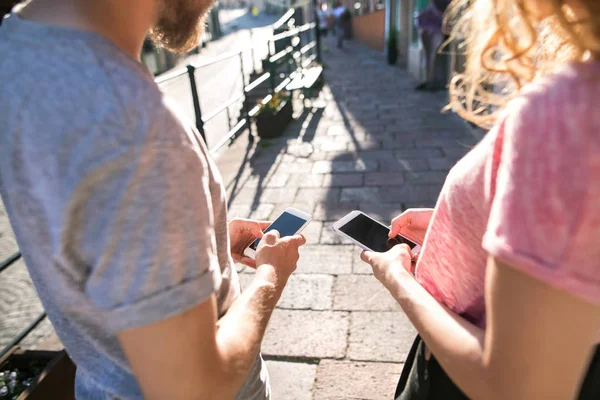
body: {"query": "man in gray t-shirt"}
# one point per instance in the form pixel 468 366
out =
pixel 120 213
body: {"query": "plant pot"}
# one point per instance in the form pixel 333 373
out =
pixel 56 380
pixel 272 125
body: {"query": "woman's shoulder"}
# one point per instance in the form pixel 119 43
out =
pixel 570 84
pixel 560 104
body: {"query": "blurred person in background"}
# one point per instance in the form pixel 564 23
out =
pixel 429 24
pixel 338 13
pixel 120 213
pixel 505 294
pixel 323 15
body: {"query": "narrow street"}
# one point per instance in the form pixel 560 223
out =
pixel 376 145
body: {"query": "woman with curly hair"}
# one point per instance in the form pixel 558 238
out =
pixel 505 294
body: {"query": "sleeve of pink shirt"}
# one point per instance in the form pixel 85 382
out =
pixel 544 186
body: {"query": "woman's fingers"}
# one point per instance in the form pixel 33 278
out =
pixel 366 256
pixel 400 221
pixel 248 261
pixel 414 219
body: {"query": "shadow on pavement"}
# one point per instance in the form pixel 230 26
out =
pixel 266 167
pixel 400 146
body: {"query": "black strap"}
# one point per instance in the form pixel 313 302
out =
pixel 408 366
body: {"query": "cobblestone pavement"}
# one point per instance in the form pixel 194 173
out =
pixel 370 143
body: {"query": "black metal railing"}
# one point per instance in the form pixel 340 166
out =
pixel 10 261
pixel 291 36
pixel 293 58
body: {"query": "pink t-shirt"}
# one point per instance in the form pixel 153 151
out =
pixel 527 194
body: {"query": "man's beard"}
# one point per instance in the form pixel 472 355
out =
pixel 180 24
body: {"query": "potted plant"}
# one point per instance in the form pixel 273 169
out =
pixel 392 46
pixel 36 375
pixel 274 116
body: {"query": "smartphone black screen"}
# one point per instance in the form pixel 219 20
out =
pixel 372 234
pixel 287 225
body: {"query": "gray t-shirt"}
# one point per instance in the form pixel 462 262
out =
pixel 118 210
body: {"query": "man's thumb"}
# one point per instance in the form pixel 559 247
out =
pixel 271 236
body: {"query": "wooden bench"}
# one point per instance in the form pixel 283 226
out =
pixel 309 82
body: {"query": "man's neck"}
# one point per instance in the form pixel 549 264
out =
pixel 125 23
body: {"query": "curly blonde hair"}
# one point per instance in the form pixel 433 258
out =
pixel 506 44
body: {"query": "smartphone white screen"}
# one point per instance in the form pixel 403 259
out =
pixel 372 234
pixel 287 225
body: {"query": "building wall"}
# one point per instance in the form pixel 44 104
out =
pixel 370 29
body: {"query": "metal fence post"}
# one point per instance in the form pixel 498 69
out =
pixel 245 111
pixel 197 112
pixel 271 45
pixel 252 51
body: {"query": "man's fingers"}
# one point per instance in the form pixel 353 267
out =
pixel 249 241
pixel 256 230
pixel 295 240
pixel 264 224
pixel 298 239
pixel 271 237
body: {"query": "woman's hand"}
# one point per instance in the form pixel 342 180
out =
pixel 412 223
pixel 388 266
pixel 242 232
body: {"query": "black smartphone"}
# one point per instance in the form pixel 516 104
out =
pixel 370 234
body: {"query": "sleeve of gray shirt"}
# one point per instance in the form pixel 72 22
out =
pixel 142 221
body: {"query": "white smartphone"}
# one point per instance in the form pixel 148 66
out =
pixel 370 234
pixel 289 223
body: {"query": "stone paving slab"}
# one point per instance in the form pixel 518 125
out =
pixel 325 259
pixel 291 380
pixel 318 195
pixel 380 336
pixel 384 179
pixel 260 212
pixel 425 177
pixel 323 212
pixel 326 167
pixel 302 292
pixel 441 163
pixel 328 236
pixel 361 293
pixel 312 232
pixel 343 180
pixel 344 380
pixel 383 212
pixel 307 334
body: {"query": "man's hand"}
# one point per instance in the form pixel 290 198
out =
pixel 242 232
pixel 280 254
pixel 389 265
pixel 412 223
